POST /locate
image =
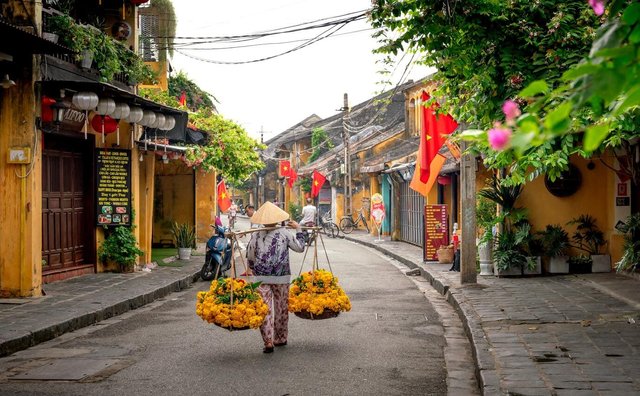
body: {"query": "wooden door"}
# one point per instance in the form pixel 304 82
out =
pixel 67 231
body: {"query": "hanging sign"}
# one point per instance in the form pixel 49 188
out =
pixel 377 211
pixel 435 230
pixel 113 187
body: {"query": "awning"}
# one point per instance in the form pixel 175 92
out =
pixel 19 41
pixel 178 133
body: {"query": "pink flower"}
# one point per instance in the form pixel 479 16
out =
pixel 598 6
pixel 511 110
pixel 499 137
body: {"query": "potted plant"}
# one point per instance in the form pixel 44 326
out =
pixel 509 257
pixel 485 219
pixel 534 248
pixel 631 257
pixel 556 241
pixel 580 264
pixel 184 236
pixel 120 246
pixel 590 239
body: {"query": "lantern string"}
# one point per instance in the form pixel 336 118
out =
pixel 102 117
pixel 86 116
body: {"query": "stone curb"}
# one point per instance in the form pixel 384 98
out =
pixel 488 379
pixel 84 319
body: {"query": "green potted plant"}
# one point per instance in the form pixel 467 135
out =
pixel 534 248
pixel 486 219
pixel 509 256
pixel 184 236
pixel 120 246
pixel 580 264
pixel 631 257
pixel 556 242
pixel 590 239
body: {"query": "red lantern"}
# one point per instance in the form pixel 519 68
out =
pixel 110 125
pixel 45 111
pixel 138 2
pixel 444 180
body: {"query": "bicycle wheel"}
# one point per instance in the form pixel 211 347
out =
pixel 326 229
pixel 346 225
pixel 366 225
pixel 334 230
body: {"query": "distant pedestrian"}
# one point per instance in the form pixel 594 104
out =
pixel 233 212
pixel 268 259
pixel 250 211
pixel 309 213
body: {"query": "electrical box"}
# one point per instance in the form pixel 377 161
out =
pixel 19 155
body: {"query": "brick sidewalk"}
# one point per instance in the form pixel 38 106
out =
pixel 548 335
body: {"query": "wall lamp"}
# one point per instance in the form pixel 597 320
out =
pixel 6 82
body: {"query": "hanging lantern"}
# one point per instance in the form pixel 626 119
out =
pixel 45 110
pixel 134 117
pixel 121 111
pixel 105 124
pixel 169 123
pixel 444 180
pixel 159 124
pixel 106 106
pixel 138 2
pixel 85 101
pixel 148 118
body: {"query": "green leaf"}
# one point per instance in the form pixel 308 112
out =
pixel 580 70
pixel 594 136
pixel 557 121
pixel 632 99
pixel 634 37
pixel 529 126
pixel 535 88
pixel 632 14
pixel 472 134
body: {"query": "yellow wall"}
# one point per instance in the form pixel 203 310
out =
pixel 162 75
pixel 594 197
pixel 206 205
pixel 174 198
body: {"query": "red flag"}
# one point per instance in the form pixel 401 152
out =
pixel 224 201
pixel 183 99
pixel 285 168
pixel 434 126
pixel 293 175
pixel 316 183
pixel 434 169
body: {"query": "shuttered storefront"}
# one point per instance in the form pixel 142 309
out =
pixel 411 215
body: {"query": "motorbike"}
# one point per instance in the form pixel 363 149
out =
pixel 218 256
pixel 308 234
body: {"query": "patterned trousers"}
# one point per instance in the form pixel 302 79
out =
pixel 275 327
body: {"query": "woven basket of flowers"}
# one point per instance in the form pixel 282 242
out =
pixel 233 304
pixel 316 295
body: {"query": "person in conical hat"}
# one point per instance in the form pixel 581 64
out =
pixel 268 259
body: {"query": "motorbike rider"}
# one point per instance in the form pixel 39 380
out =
pixel 309 214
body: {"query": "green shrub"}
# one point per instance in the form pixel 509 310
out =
pixel 184 235
pixel 120 246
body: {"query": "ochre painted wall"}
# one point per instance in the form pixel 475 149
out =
pixel 206 205
pixel 174 198
pixel 594 197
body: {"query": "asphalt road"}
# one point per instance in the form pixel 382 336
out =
pixel 391 343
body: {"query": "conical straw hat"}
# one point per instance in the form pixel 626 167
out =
pixel 269 213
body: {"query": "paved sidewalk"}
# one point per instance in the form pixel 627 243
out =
pixel 548 335
pixel 78 302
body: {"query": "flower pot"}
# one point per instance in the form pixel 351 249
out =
pixel 50 36
pixel 537 270
pixel 601 263
pixel 87 59
pixel 484 254
pixel 445 255
pixel 184 253
pixel 513 271
pixel 558 265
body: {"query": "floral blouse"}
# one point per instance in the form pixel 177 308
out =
pixel 268 254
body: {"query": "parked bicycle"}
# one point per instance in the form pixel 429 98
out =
pixel 329 227
pixel 347 224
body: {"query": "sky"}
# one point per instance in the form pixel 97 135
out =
pixel 275 94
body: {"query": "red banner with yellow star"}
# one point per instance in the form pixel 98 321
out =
pixel 432 136
pixel 285 168
pixel 316 183
pixel 224 201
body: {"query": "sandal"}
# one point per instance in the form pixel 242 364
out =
pixel 280 343
pixel 267 349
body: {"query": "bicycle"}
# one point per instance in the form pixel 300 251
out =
pixel 347 224
pixel 329 227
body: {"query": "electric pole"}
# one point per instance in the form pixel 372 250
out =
pixel 347 156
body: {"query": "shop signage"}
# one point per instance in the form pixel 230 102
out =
pixel 113 187
pixel 435 230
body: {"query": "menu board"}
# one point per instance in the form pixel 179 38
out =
pixel 435 230
pixel 113 187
